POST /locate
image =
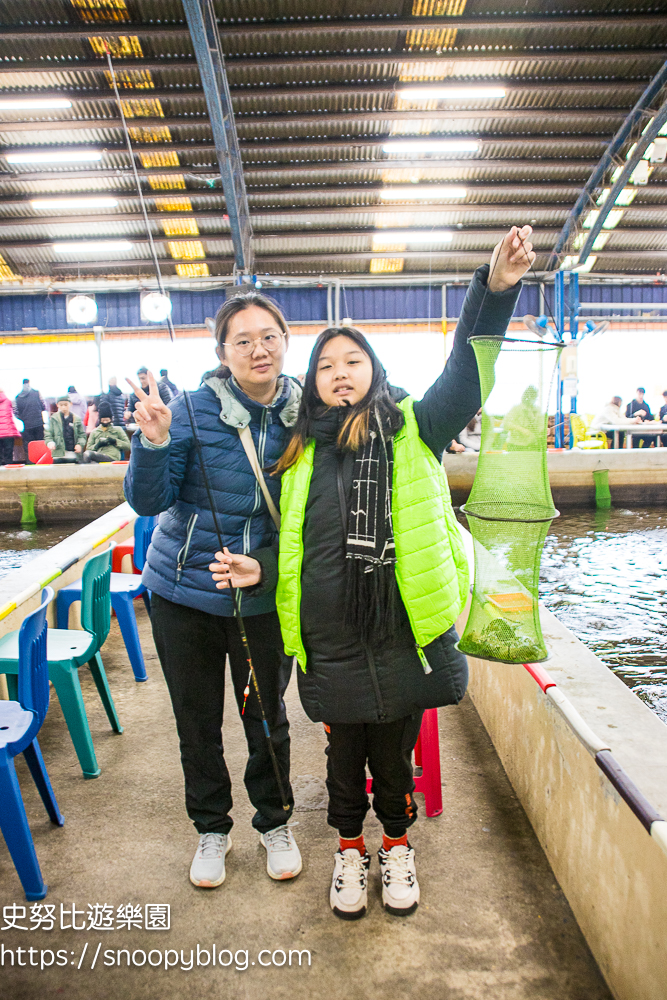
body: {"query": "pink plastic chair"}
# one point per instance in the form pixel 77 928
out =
pixel 427 760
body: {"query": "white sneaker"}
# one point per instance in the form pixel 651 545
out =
pixel 283 858
pixel 208 866
pixel 349 885
pixel 400 888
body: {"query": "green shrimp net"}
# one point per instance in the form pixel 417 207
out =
pixel 510 506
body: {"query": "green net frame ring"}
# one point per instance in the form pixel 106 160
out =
pixel 510 507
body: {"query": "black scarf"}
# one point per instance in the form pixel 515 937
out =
pixel 372 593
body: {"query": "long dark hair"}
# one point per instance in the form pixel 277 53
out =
pixel 354 430
pixel 233 306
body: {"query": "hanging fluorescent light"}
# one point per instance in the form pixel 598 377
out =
pixel 34 103
pixel 431 146
pixel 81 309
pixel 111 246
pixel 412 236
pixel 73 156
pixel 612 220
pixel 155 307
pixel 74 203
pixel 406 192
pixel 450 93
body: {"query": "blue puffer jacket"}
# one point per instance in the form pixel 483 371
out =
pixel 168 480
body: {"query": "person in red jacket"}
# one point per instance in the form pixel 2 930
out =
pixel 8 430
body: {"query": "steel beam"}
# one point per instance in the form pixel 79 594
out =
pixel 206 40
pixel 648 135
pixel 294 169
pixel 512 85
pixel 290 143
pixel 345 26
pixel 215 215
pixel 583 115
pixel 490 230
pixel 613 149
pixel 332 61
pixel 510 188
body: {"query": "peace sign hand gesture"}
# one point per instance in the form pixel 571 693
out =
pixel 153 417
pixel 511 259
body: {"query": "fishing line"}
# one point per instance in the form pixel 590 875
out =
pixel 237 605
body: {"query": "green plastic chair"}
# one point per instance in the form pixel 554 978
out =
pixel 69 649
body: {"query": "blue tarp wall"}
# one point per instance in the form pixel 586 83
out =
pixel 121 309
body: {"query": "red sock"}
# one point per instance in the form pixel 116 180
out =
pixel 356 844
pixel 389 842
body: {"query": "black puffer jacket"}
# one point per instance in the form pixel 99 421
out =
pixel 344 681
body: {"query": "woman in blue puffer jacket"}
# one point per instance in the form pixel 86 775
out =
pixel 193 622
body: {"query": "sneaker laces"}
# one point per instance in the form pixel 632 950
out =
pixel 279 839
pixel 211 845
pixel 396 868
pixel 353 872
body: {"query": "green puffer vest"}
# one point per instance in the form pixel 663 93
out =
pixel 431 564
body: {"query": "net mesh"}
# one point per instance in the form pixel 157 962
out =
pixel 510 506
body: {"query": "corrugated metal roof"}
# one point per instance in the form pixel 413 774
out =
pixel 316 98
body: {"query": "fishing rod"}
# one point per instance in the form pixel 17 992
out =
pixel 236 604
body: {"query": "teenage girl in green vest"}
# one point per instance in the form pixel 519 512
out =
pixel 372 572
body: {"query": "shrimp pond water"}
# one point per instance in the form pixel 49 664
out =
pixel 604 575
pixel 19 545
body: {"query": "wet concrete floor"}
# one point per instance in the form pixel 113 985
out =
pixel 493 924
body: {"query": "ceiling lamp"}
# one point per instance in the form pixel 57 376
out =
pixel 412 236
pixel 81 309
pixel 34 103
pixel 431 146
pixel 55 156
pixel 406 192
pixel 111 246
pixel 46 203
pixel 450 93
pixel 41 203
pixel 155 307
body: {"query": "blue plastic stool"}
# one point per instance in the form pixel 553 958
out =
pixel 20 721
pixel 125 587
pixel 67 650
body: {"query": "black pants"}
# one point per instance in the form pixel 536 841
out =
pixel 31 434
pixel 6 451
pixel 387 747
pixel 96 456
pixel 192 646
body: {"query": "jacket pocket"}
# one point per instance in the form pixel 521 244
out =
pixel 183 551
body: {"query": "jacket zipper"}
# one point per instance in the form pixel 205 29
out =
pixel 382 715
pixel 183 552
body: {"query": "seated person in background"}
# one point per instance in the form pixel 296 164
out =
pixel 611 414
pixel 471 435
pixel 663 418
pixel 65 436
pixel 637 407
pixel 107 440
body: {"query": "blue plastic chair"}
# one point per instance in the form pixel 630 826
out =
pixel 20 721
pixel 125 587
pixel 69 649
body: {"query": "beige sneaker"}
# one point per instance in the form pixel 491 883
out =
pixel 208 866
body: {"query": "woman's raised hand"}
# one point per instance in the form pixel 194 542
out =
pixel 153 417
pixel 239 570
pixel 511 259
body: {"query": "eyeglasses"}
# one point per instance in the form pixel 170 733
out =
pixel 245 347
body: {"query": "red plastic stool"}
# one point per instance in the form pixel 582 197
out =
pixel 427 759
pixel 123 549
